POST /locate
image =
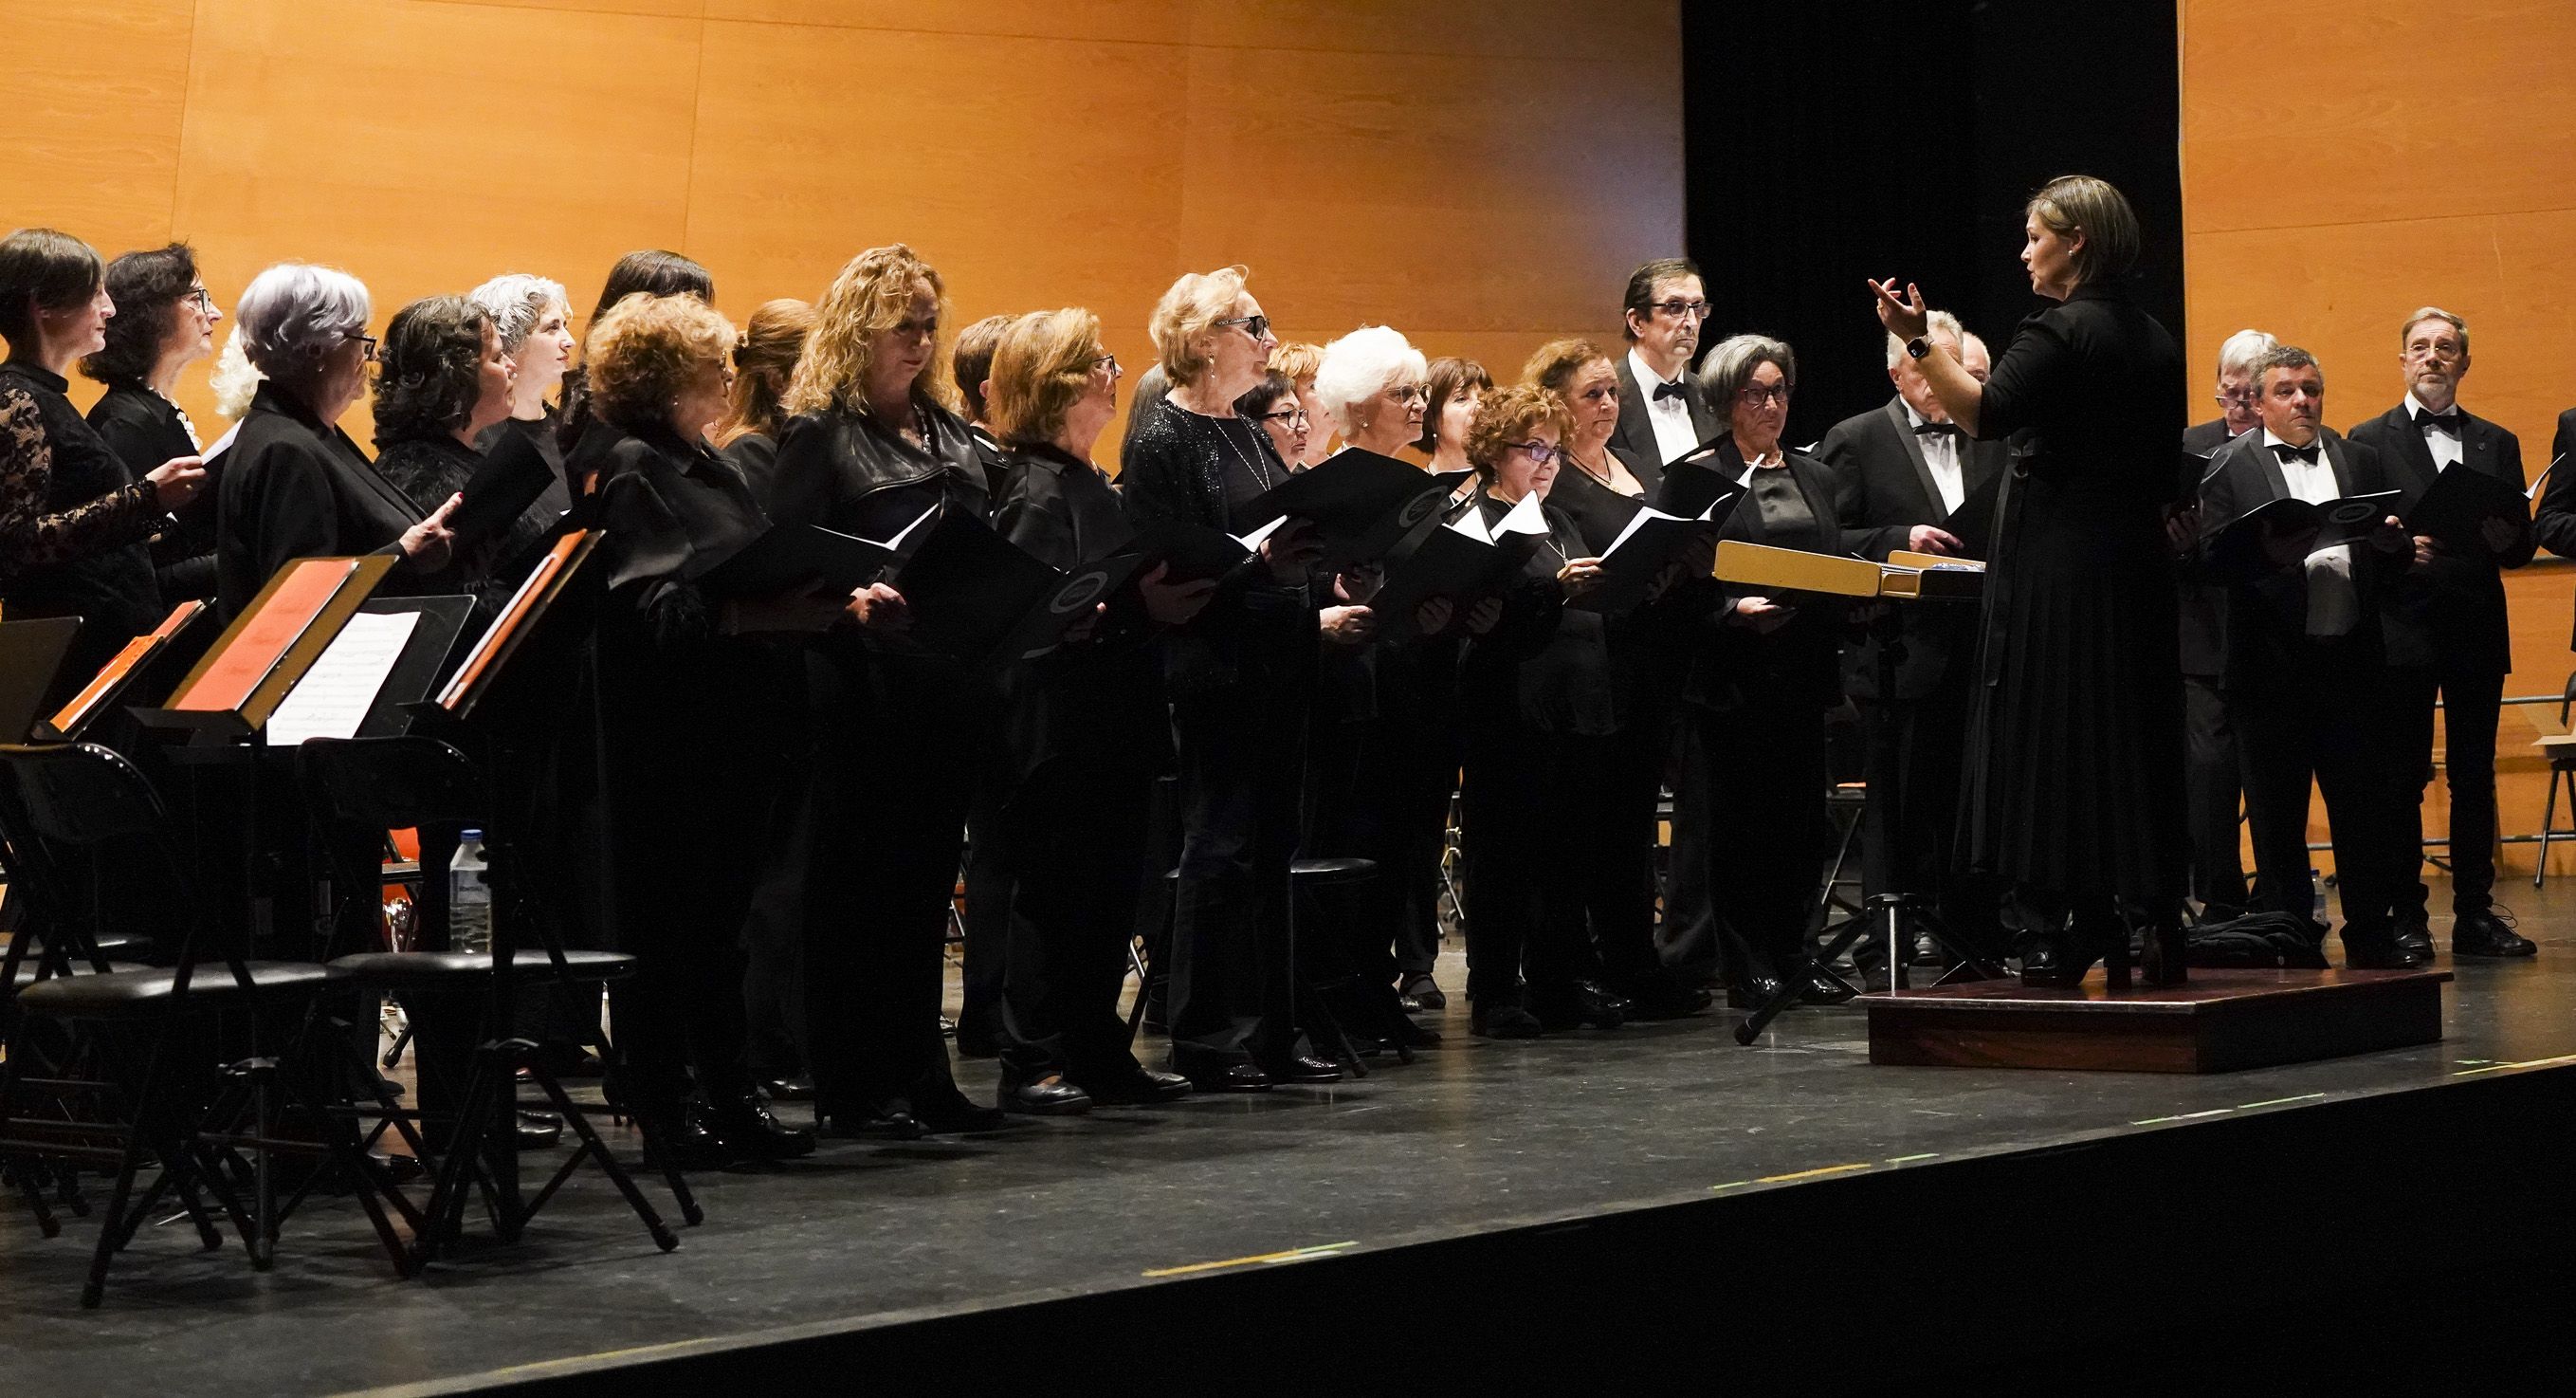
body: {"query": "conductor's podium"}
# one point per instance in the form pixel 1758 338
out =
pixel 2222 1021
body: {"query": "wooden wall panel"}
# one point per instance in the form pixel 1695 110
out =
pixel 93 146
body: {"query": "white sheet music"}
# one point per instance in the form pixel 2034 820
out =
pixel 333 697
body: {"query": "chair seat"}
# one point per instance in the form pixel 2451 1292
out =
pixel 1315 871
pixel 416 970
pixel 28 968
pixel 152 991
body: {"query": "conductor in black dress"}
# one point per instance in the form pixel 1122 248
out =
pixel 1900 471
pixel 2075 758
pixel 2447 630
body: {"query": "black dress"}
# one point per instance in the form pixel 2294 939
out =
pixel 1086 735
pixel 75 525
pixel 1241 675
pixel 902 741
pixel 297 487
pixel 146 430
pixel 434 468
pixel 2075 752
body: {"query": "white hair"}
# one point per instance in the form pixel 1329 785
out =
pixel 2238 352
pixel 234 379
pixel 516 301
pixel 1965 340
pixel 1359 366
pixel 1937 323
pixel 294 313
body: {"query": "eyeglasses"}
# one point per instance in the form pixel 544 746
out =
pixel 2242 398
pixel 1679 309
pixel 1407 393
pixel 1539 452
pixel 1109 362
pixel 366 348
pixel 205 299
pixel 2442 350
pixel 1294 417
pixel 1757 395
pixel 1258 327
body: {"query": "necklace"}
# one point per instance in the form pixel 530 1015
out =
pixel 1251 463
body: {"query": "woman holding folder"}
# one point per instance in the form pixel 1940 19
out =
pixel 444 380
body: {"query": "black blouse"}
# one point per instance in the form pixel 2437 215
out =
pixel 1205 470
pixel 545 433
pixel 1097 702
pixel 1544 665
pixel 847 471
pixel 1788 506
pixel 434 468
pixel 145 430
pixel 75 523
pixel 2091 388
pixel 297 487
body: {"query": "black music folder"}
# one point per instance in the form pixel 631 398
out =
pixel 31 653
pixel 1195 552
pixel 1363 504
pixel 792 554
pixel 2454 509
pixel 977 597
pixel 2344 521
pixel 510 479
pixel 1973 523
pixel 1649 543
pixel 1461 561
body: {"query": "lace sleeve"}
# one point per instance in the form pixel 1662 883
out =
pixel 31 538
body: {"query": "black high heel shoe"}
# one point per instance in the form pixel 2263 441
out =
pixel 2060 960
pixel 2162 962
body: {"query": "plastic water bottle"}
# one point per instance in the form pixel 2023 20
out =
pixel 469 896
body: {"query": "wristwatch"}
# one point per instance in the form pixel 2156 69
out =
pixel 1918 347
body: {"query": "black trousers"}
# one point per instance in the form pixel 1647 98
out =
pixel 2337 727
pixel 1415 763
pixel 1767 828
pixel 684 886
pixel 1068 844
pixel 1524 938
pixel 1915 750
pixel 2214 786
pixel 2472 700
pixel 1687 938
pixel 987 922
pixel 773 938
pixel 1233 985
pixel 1609 828
pixel 1348 816
pixel 897 763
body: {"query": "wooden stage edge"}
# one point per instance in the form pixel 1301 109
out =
pixel 2224 1020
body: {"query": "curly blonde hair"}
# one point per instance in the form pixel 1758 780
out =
pixel 642 352
pixel 1041 368
pixel 1297 362
pixel 871 296
pixel 1505 419
pixel 1190 309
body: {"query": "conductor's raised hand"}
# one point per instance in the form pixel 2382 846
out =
pixel 176 481
pixel 1484 616
pixel 1579 575
pixel 1904 316
pixel 1290 548
pixel 1932 538
pixel 1173 603
pixel 880 608
pixel 428 544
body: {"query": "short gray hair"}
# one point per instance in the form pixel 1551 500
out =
pixel 516 301
pixel 1729 367
pixel 2238 352
pixel 1360 365
pixel 294 313
pixel 1937 323
pixel 2425 313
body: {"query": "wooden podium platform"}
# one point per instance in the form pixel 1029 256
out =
pixel 2222 1021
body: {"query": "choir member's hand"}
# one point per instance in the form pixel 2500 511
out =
pixel 1290 548
pixel 1762 614
pixel 1579 575
pixel 1349 626
pixel 1082 630
pixel 1173 603
pixel 1666 580
pixel 426 545
pixel 176 481
pixel 2285 546
pixel 1432 615
pixel 1932 538
pixel 880 608
pixel 1904 316
pixel 808 608
pixel 2427 548
pixel 1485 616
pixel 2500 535
pixel 2182 528
pixel 1359 584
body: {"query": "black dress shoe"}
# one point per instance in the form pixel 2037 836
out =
pixel 1927 951
pixel 1137 1086
pixel 1050 1095
pixel 1423 993
pixel 540 1130
pixel 1821 987
pixel 796 1089
pixel 1582 1003
pixel 1303 1068
pixel 1752 989
pixel 2487 932
pixel 885 1121
pixel 2416 940
pixel 1229 1077
pixel 1504 1022
pixel 687 1139
pixel 2379 952
pixel 748 1130
pixel 1665 998
pixel 951 1114
pixel 2059 960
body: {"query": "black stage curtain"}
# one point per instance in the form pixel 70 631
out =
pixel 1829 143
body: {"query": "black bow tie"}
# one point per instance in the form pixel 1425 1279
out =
pixel 1669 390
pixel 2287 452
pixel 1937 429
pixel 2449 422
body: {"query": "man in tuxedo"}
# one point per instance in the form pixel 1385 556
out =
pixel 1661 411
pixel 2447 632
pixel 2307 676
pixel 1900 470
pixel 2212 784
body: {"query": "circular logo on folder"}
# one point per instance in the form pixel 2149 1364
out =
pixel 2354 512
pixel 1080 591
pixel 1419 509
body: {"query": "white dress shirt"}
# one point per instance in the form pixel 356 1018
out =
pixel 1941 453
pixel 2334 604
pixel 1669 416
pixel 2446 447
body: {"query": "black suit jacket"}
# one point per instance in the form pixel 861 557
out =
pixel 2267 605
pixel 1883 488
pixel 296 487
pixel 2449 612
pixel 1636 434
pixel 2203 606
pixel 2555 521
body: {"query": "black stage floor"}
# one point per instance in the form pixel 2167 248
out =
pixel 1612 1202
